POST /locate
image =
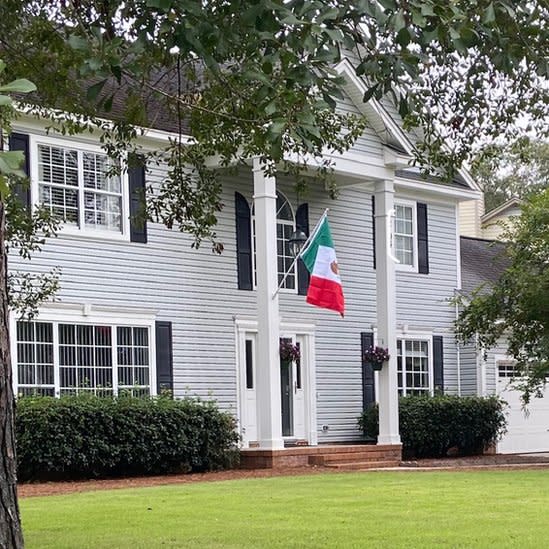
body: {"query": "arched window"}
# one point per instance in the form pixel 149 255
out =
pixel 285 226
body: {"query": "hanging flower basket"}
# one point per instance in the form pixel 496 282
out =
pixel 376 356
pixel 288 352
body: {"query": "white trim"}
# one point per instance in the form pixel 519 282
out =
pixel 511 203
pixel 406 334
pixel 82 230
pixel 403 266
pixel 285 222
pixel 86 315
pixel 428 188
pixel 373 109
pixel 143 133
pixel 245 326
pixel 416 336
pixel 458 249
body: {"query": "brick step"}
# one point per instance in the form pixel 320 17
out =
pixel 362 465
pixel 377 455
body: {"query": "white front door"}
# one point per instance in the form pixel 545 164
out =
pixel 297 386
pixel 248 400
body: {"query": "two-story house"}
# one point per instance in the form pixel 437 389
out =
pixel 139 310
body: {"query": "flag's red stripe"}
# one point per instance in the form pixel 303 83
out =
pixel 326 293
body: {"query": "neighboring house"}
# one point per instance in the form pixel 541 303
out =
pixel 139 310
pixel 493 222
pixel 490 371
pixel 475 223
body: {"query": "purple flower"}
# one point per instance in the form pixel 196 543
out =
pixel 376 355
pixel 288 352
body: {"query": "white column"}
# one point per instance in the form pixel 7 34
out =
pixel 386 313
pixel 269 421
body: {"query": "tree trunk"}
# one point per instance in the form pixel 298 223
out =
pixel 11 536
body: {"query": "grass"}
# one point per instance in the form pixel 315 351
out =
pixel 382 509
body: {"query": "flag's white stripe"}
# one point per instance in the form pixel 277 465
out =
pixel 325 257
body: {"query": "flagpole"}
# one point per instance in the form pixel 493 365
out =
pixel 303 249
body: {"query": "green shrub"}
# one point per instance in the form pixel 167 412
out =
pixel 430 426
pixel 88 436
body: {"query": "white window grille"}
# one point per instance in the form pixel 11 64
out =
pixel 80 188
pixel 35 366
pixel 404 234
pixel 60 358
pixel 413 367
pixel 285 226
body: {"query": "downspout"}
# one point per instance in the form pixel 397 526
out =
pixel 458 351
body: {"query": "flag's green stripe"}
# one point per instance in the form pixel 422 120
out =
pixel 323 237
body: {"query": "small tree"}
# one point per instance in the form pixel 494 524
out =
pixel 517 307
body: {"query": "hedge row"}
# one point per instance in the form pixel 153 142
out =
pixel 431 426
pixel 89 436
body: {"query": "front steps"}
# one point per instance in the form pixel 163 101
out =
pixel 343 457
pixel 358 457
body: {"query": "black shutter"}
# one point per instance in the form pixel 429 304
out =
pixel 422 239
pixel 243 242
pixel 164 357
pixel 368 381
pixel 438 364
pixel 302 224
pixel 20 142
pixel 374 228
pixel 136 180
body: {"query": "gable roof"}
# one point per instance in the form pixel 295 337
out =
pixel 385 125
pixel 511 203
pixel 482 263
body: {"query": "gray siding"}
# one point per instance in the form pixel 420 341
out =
pixel 469 370
pixel 368 142
pixel 197 291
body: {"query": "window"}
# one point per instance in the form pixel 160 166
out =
pixel 413 367
pixel 60 358
pixel 285 226
pixel 35 369
pixel 77 186
pixel 507 368
pixel 405 235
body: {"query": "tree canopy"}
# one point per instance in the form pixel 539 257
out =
pixel 517 307
pixel 255 78
pixel 512 170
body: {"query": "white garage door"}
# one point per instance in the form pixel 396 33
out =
pixel 525 432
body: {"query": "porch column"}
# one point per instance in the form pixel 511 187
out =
pixel 386 313
pixel 269 422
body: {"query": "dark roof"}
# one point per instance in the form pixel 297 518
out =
pixel 416 175
pixel 482 263
pixel 159 113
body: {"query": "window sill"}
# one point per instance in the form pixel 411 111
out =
pixel 406 268
pixel 101 236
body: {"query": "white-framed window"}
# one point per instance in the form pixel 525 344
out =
pixel 77 183
pixel 285 226
pixel 66 357
pixel 405 235
pixel 414 366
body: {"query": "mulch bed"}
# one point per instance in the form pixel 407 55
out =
pixel 69 487
pixel 473 463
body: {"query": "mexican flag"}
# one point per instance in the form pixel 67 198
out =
pixel 320 259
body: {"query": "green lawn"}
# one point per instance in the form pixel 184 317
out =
pixel 377 509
